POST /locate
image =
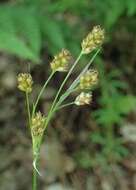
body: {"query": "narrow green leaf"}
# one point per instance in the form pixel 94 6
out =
pixel 13 45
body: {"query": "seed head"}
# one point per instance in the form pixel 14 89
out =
pixel 37 124
pixel 25 82
pixel 61 61
pixel 83 99
pixel 88 79
pixel 93 40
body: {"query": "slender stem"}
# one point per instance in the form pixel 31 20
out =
pixel 28 109
pixel 34 184
pixel 76 81
pixel 61 87
pixel 67 76
pixel 42 90
pixel 65 105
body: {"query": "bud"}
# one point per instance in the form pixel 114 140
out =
pixel 93 40
pixel 37 125
pixel 61 61
pixel 25 82
pixel 88 79
pixel 83 99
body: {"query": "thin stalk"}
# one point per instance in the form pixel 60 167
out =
pixel 41 92
pixel 52 110
pixel 60 89
pixel 67 76
pixel 76 81
pixel 28 109
pixel 34 184
pixel 65 105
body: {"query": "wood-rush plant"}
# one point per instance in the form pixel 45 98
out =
pixel 83 83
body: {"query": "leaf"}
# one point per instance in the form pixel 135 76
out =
pixel 125 104
pixel 27 26
pixel 131 7
pixel 83 158
pixel 118 84
pixel 97 138
pixel 53 32
pixel 6 21
pixel 107 116
pixel 19 32
pixel 11 44
pixel 117 8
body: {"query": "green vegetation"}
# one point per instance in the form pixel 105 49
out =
pixel 28 26
pixel 31 28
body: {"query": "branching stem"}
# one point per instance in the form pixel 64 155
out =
pixel 34 184
pixel 28 109
pixel 53 107
pixel 65 105
pixel 41 92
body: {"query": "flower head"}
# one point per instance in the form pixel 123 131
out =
pixel 61 61
pixel 83 99
pixel 88 79
pixel 37 124
pixel 93 40
pixel 25 82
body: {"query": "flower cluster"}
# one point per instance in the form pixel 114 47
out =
pixel 84 83
pixel 88 79
pixel 37 124
pixel 83 98
pixel 61 61
pixel 93 40
pixel 25 82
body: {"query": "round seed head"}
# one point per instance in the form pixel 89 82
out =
pixel 37 124
pixel 93 40
pixel 61 61
pixel 25 82
pixel 88 79
pixel 83 99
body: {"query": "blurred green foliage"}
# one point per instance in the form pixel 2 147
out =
pixel 28 26
pixel 114 105
pixel 115 102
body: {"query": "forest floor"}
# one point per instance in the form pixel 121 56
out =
pixel 66 135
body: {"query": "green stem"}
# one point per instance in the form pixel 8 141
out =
pixel 60 89
pixel 28 109
pixel 76 81
pixel 67 76
pixel 65 105
pixel 34 184
pixel 34 108
pixel 41 92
